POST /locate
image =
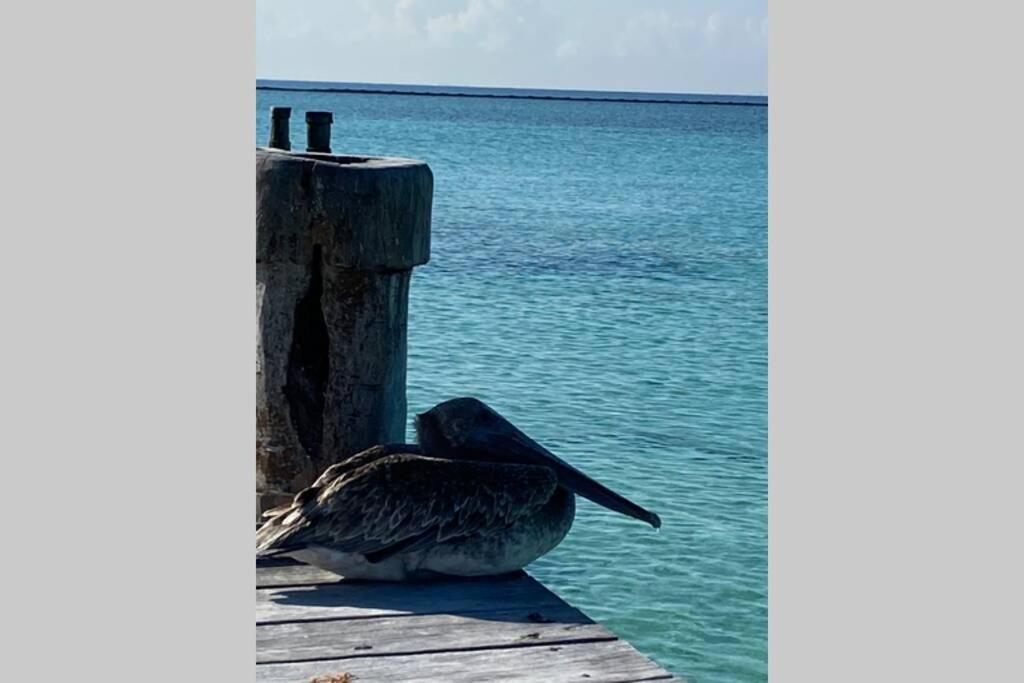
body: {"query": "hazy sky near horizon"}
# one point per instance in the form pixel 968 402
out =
pixel 698 46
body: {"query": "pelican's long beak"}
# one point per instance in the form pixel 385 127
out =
pixel 501 440
pixel 529 451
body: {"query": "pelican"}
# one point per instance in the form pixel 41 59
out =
pixel 476 497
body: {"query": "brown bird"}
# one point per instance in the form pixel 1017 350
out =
pixel 476 497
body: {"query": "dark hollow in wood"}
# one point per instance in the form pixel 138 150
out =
pixel 309 364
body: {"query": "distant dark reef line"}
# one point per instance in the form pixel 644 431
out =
pixel 499 96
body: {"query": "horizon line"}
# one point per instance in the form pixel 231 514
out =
pixel 388 89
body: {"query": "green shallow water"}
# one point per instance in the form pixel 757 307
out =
pixel 599 275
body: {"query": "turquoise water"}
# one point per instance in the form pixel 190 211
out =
pixel 599 275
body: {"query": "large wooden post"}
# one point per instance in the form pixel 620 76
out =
pixel 336 240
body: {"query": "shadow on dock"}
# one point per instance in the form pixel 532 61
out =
pixel 311 623
pixel 514 598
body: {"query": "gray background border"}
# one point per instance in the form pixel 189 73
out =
pixel 894 342
pixel 128 262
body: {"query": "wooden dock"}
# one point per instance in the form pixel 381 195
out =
pixel 312 627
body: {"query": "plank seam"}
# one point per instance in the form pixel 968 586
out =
pixel 473 648
pixel 297 585
pixel 389 615
pixel 276 586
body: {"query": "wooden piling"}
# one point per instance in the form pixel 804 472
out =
pixel 280 121
pixel 318 131
pixel 337 238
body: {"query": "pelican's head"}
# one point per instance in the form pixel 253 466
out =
pixel 469 429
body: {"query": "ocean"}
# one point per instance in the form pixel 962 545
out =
pixel 599 275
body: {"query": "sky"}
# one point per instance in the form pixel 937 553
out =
pixel 699 46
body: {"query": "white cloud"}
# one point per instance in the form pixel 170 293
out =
pixel 405 21
pixel 444 27
pixel 567 49
pixel 713 26
pixel 648 33
pixel 494 41
pixel 756 29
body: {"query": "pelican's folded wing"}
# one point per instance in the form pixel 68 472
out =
pixel 349 464
pixel 406 500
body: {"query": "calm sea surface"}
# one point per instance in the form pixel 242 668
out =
pixel 598 274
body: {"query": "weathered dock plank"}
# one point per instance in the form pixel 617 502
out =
pixel 296 641
pixel 603 662
pixel 508 628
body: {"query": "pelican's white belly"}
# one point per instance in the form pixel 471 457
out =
pixel 353 565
